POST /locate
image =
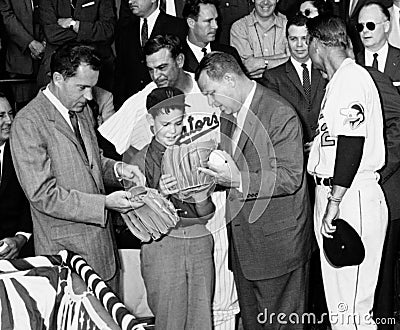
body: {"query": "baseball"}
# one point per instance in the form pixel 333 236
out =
pixel 217 159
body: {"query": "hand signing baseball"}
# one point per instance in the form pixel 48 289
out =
pixel 226 174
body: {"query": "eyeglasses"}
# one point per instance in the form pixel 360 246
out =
pixel 369 25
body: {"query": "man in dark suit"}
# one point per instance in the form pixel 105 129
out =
pixel 267 202
pixel 131 72
pixel 201 17
pixel 16 222
pixel 290 81
pixel 377 51
pixel 24 45
pixel 81 21
pixel 348 11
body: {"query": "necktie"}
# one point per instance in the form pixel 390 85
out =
pixel 204 50
pixel 73 5
pixel 306 82
pixel 145 32
pixel 375 61
pixel 163 5
pixel 74 121
pixel 231 128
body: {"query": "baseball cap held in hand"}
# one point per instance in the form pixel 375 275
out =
pixel 346 247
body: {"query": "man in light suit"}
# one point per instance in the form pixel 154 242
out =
pixel 83 21
pixel 287 79
pixel 201 17
pixel 267 203
pixel 376 41
pixel 131 70
pixel 24 45
pixel 16 221
pixel 62 170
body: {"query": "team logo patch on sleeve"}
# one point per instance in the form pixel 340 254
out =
pixel 354 115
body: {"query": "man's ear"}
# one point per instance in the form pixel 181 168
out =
pixel 150 119
pixel 58 78
pixel 180 60
pixel 230 79
pixel 190 22
pixel 386 26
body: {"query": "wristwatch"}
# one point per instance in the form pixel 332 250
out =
pixel 72 25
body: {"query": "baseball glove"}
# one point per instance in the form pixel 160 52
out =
pixel 152 220
pixel 183 162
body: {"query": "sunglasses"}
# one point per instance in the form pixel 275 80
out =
pixel 369 25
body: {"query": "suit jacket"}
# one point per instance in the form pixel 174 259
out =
pixel 97 24
pixel 285 81
pixel 270 221
pixel 390 173
pixel 392 65
pixel 21 30
pixel 132 74
pixel 65 189
pixel 191 62
pixel 15 214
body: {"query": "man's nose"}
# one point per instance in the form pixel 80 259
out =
pixel 88 94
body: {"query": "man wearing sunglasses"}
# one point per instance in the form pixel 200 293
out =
pixel 373 26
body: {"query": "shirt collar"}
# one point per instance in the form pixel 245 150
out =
pixel 197 51
pixel 57 104
pixel 298 65
pixel 151 20
pixel 382 53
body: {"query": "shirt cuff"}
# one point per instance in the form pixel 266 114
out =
pixel 26 235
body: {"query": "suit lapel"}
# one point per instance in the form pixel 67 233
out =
pixel 315 81
pixel 191 62
pixel 392 61
pixel 294 77
pixel 361 58
pixel 85 129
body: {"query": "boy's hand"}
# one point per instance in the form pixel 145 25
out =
pixel 168 185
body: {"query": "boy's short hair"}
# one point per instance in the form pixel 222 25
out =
pixel 164 99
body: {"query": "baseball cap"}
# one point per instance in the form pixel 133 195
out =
pixel 346 247
pixel 166 97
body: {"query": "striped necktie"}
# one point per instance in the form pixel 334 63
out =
pixel 306 82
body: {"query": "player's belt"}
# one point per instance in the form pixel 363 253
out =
pixel 323 181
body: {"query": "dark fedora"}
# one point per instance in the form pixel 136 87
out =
pixel 346 247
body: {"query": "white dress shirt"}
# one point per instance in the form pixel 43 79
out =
pixel 382 55
pixel 58 105
pixel 197 51
pixel 299 68
pixel 151 21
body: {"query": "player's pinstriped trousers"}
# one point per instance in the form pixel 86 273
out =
pixel 350 290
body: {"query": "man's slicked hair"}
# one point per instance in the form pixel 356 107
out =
pixel 69 57
pixel 382 8
pixel 217 64
pixel 170 42
pixel 192 7
pixel 296 20
pixel 329 30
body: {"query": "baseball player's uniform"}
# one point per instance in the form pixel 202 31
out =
pixel 351 107
pixel 201 123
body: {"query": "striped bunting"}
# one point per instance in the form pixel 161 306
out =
pixel 102 292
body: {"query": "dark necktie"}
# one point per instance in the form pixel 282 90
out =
pixel 204 50
pixel 306 82
pixel 163 5
pixel 74 121
pixel 145 32
pixel 375 61
pixel 73 6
